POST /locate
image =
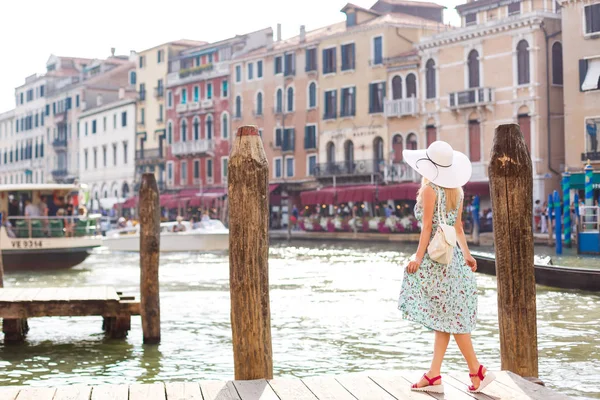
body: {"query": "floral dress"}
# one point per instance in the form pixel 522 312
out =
pixel 440 297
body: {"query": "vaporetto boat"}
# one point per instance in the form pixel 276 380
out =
pixel 208 236
pixel 42 242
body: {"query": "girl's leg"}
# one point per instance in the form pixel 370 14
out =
pixel 439 350
pixel 465 345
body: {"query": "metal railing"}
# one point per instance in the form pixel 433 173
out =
pixel 471 97
pixel 142 95
pixel 349 168
pixel 148 154
pixel 59 143
pixel 401 107
pixel 49 227
pixel 400 172
pixel 159 91
pixel 589 219
pixel 59 173
pixel 201 146
pixel 591 155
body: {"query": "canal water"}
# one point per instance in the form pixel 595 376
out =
pixel 333 310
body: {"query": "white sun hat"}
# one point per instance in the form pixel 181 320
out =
pixel 440 164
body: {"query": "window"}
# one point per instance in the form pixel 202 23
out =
pixel 86 129
pixel 124 152
pixel 238 73
pixel 85 159
pixel 277 170
pixel 183 130
pixel 160 56
pixel 224 88
pixel 104 151
pixel 259 69
pixel 170 172
pixel 431 134
pixel 523 62
pixel 93 127
pixel 514 8
pixel 209 127
pixel 474 141
pixel 430 78
pixel 160 113
pixel 376 96
pixel 278 137
pixel 196 169
pixel 104 124
pixel 312 95
pixel 250 68
pixel 42 90
pixel 238 106
pixel 311 164
pixel 329 61
pixel 95 158
pixel 289 167
pixel 196 94
pixel 311 60
pixel 557 64
pixel 142 61
pixel 224 168
pixel 592 18
pixel 396 87
pixel 132 77
pixel 330 104
pixel 310 137
pixel 209 91
pixel 348 102
pixel 290 99
pixel 471 19
pixel 259 103
pixel 278 65
pixel 196 128
pixel 411 85
pixel 473 66
pixel 47 109
pixel 114 123
pixel 350 19
pixel 589 74
pixel 169 99
pixel 377 50
pixel 77 101
pixel 279 101
pixel 348 57
pixel 124 118
pixel 209 169
pixel 225 125
pixel 183 173
pixel 290 64
pixel 289 139
pixel 142 116
pixel 183 99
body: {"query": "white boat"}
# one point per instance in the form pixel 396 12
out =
pixel 32 242
pixel 209 235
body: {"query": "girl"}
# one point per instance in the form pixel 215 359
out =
pixel 442 297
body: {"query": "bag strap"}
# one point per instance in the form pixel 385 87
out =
pixel 439 207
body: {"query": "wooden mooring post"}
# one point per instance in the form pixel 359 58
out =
pixel 248 189
pixel 149 258
pixel 511 188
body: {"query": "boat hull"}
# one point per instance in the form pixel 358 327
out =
pixel 551 275
pixel 172 242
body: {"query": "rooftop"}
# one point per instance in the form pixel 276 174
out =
pixel 414 3
pixel 483 4
pixel 180 42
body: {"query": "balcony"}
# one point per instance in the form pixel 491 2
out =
pixel 349 168
pixel 206 104
pixel 592 156
pixel 401 107
pixel 471 98
pixel 60 118
pixel 60 144
pixel 142 95
pixel 195 147
pixel 277 110
pixel 193 106
pixel 59 174
pixel 400 172
pixel 207 71
pixel 159 91
pixel 147 156
pixel 181 107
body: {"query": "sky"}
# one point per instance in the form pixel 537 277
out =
pixel 39 28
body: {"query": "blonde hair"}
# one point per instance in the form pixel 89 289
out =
pixel 453 196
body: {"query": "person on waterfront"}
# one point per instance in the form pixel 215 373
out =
pixel 179 227
pixel 442 297
pixel 592 131
pixel 31 210
pixel 544 228
pixel 537 216
pixel 388 211
pixel 295 216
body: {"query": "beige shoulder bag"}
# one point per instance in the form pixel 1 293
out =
pixel 441 248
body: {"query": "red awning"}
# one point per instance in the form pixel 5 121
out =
pixel 273 186
pixel 131 202
pixel 402 191
pixel 207 198
pixel 175 202
pixel 165 198
pixel 323 196
pixel 356 194
pixel 477 188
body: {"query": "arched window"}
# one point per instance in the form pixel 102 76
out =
pixel 557 64
pixel 397 147
pixel 279 101
pixel 349 151
pixel 330 153
pixel 132 78
pixel 170 132
pixel 196 128
pixel 209 126
pixel 183 130
pixel 523 62
pixel 378 149
pixel 238 106
pixel 411 85
pixel 290 99
pixel 411 142
pixel 312 95
pixel 224 125
pixel 259 103
pixel 430 78
pixel 397 87
pixel 473 65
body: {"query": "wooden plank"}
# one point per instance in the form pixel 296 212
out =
pixel 78 293
pixel 219 390
pixel 291 388
pixel 97 293
pixel 327 388
pixel 26 294
pixel 451 386
pixel 46 294
pixel 363 388
pixel 111 293
pixel 74 392
pixel 59 309
pixel 10 293
pixel 524 388
pixel 9 392
pixel 398 386
pixel 256 389
pixel 493 390
pixel 36 393
pixel 183 390
pixel 110 392
pixel 154 391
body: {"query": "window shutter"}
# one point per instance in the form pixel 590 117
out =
pixel 583 67
pixel 306 137
pixel 353 102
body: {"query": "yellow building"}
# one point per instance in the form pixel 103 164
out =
pixel 151 77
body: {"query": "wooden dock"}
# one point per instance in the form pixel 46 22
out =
pixel 19 304
pixel 357 386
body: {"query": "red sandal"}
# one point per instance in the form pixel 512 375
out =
pixel 430 387
pixel 484 380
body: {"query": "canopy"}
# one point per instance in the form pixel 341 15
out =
pixel 481 189
pixel 357 194
pixel 577 180
pixel 401 191
pixel 131 202
pixel 272 187
pixel 323 196
pixel 205 200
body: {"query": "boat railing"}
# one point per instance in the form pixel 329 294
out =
pixel 589 219
pixel 51 227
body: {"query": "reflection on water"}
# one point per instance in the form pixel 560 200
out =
pixel 333 310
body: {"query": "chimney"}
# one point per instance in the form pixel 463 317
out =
pixel 279 32
pixel 302 33
pixel 270 40
pixel 121 93
pixel 112 51
pixel 98 100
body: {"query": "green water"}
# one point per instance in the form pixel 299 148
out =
pixel 333 310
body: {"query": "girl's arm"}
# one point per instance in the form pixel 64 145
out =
pixel 462 240
pixel 428 199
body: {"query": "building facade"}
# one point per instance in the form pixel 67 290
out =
pixel 7 138
pixel 151 77
pixel 107 154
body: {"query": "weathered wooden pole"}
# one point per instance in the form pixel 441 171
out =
pixel 511 188
pixel 1 262
pixel 149 258
pixel 248 188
